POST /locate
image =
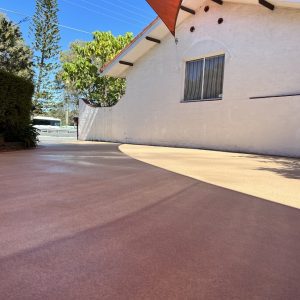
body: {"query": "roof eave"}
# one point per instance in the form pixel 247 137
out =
pixel 131 53
pixel 107 70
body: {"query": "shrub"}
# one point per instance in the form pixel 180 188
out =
pixel 15 109
pixel 27 134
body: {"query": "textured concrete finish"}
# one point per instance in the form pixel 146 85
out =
pixel 272 178
pixel 84 221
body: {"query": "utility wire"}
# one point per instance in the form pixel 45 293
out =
pixel 122 14
pixel 103 14
pixel 23 20
pixel 119 7
pixel 60 25
pixel 132 6
pixel 75 29
pixel 14 12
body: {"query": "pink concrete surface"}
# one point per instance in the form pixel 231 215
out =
pixel 84 221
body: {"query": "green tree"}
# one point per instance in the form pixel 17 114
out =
pixel 63 81
pixel 67 108
pixel 80 71
pixel 45 29
pixel 15 56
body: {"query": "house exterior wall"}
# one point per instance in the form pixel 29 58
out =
pixel 262 50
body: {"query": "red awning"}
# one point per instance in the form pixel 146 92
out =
pixel 168 11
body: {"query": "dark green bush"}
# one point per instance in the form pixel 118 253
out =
pixel 26 134
pixel 15 109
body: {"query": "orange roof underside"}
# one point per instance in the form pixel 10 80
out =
pixel 168 11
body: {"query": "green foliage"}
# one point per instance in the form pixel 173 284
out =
pixel 46 46
pixel 81 64
pixel 71 96
pixel 15 109
pixel 15 56
pixel 28 135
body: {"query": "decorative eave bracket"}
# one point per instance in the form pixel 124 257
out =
pixel 151 39
pixel 220 2
pixel 186 9
pixel 266 4
pixel 126 63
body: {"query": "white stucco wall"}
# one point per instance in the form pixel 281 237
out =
pixel 262 49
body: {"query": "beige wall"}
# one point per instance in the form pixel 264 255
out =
pixel 262 58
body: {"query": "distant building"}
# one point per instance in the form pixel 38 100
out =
pixel 230 81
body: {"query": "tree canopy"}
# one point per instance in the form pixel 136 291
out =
pixel 15 56
pixel 46 34
pixel 81 64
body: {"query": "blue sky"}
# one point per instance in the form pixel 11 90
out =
pixel 118 16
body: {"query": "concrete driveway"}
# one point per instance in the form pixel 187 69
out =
pixel 85 221
pixel 271 178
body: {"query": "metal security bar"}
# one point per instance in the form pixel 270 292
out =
pixel 204 78
pixel 194 79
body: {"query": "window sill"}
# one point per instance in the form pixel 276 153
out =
pixel 202 100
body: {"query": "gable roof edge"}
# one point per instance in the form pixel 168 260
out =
pixel 147 30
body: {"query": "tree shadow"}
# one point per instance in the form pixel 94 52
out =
pixel 284 166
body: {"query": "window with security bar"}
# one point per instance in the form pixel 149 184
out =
pixel 204 78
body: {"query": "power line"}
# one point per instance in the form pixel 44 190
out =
pixel 14 12
pixel 132 6
pixel 119 7
pixel 113 11
pixel 60 25
pixel 75 29
pixel 103 14
pixel 23 20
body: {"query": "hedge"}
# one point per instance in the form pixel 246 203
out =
pixel 15 109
